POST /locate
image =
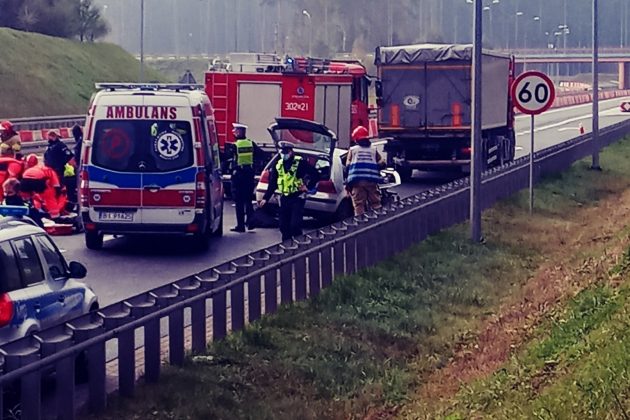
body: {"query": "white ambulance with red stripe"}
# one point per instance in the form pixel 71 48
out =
pixel 150 163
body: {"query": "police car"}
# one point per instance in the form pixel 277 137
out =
pixel 38 289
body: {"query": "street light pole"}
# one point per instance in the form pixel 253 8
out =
pixel 595 163
pixel 310 32
pixel 142 40
pixel 476 153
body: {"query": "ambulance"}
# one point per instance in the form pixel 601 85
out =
pixel 150 163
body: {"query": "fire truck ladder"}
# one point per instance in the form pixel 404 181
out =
pixel 220 104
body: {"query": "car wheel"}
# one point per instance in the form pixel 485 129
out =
pixel 344 211
pixel 94 240
pixel 219 232
pixel 405 173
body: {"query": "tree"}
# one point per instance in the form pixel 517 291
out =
pixel 91 25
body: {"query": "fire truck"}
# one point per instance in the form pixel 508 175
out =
pixel 254 89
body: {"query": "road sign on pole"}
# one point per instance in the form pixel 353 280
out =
pixel 475 161
pixel 533 93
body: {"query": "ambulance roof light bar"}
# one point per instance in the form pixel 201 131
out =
pixel 147 86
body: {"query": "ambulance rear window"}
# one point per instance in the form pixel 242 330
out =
pixel 142 145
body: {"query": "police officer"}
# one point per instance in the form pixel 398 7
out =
pixel 245 152
pixel 292 176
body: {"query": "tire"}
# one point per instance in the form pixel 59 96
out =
pixel 405 173
pixel 344 211
pixel 94 240
pixel 219 232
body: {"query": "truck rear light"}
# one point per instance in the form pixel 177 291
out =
pixel 264 177
pixel 327 187
pixel 395 115
pixel 456 112
pixel 465 151
pixel 6 310
pixel 84 188
pixel 200 190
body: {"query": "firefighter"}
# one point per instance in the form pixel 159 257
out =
pixel 292 176
pixel 10 142
pixel 363 163
pixel 44 182
pixel 243 181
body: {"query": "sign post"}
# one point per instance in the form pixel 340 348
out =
pixel 533 93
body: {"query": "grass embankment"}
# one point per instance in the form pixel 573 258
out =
pixel 413 336
pixel 175 69
pixel 42 75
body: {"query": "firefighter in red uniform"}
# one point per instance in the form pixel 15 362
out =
pixel 43 181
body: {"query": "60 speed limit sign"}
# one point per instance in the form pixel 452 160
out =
pixel 533 92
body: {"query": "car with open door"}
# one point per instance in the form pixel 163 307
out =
pixel 317 144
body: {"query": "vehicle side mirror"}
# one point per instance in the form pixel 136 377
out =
pixel 378 88
pixel 77 270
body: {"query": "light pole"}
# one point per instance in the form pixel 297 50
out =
pixel 310 32
pixel 475 131
pixel 518 14
pixel 343 38
pixel 142 40
pixel 595 164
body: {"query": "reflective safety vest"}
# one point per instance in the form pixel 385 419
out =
pixel 363 166
pixel 68 170
pixel 288 182
pixel 244 152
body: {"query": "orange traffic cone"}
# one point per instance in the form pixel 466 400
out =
pixel 581 128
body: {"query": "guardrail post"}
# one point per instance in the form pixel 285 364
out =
pixel 84 328
pixel 115 316
pixel 53 341
pixel 140 306
pixel 242 266
pixel 271 280
pixel 340 266
pixel 327 268
pixel 16 355
pixel 351 248
pixel 314 265
pixel 300 270
pixel 164 296
pixel 254 294
pixel 219 304
pixel 286 274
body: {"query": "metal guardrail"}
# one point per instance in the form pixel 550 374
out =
pixel 299 268
pixel 38 123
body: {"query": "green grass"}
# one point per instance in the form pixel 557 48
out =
pixel 579 367
pixel 370 339
pixel 42 75
pixel 175 69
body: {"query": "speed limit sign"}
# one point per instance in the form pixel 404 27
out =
pixel 533 92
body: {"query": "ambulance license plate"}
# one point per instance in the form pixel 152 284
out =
pixel 115 216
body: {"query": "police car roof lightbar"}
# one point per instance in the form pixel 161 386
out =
pixel 13 211
pixel 149 86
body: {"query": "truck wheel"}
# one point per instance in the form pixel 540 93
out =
pixel 94 240
pixel 405 173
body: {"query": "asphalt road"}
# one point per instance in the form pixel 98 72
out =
pixel 129 266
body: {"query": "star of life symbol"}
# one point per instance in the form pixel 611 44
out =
pixel 169 145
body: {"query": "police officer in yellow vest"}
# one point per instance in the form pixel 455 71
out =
pixel 243 181
pixel 292 176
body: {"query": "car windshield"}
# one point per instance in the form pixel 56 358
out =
pixel 305 139
pixel 142 146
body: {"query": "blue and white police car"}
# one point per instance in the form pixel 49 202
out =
pixel 38 289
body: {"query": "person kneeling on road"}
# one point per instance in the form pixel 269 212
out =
pixel 363 164
pixel 293 177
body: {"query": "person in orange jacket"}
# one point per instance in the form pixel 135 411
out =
pixel 9 168
pixel 43 181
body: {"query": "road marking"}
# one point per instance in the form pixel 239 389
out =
pixel 519 148
pixel 569 128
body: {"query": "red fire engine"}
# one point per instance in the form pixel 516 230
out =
pixel 254 89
